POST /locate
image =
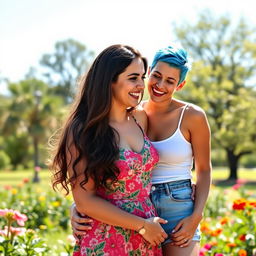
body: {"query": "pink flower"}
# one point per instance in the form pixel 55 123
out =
pixel 3 232
pixel 218 254
pixel 236 186
pixel 12 215
pixel 7 187
pixel 13 230
pixel 17 231
pixel 37 168
pixel 207 246
pixel 240 181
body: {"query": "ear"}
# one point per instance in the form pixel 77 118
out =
pixel 181 85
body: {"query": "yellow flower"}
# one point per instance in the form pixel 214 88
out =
pixel 14 191
pixel 41 198
pixel 43 227
pixel 56 203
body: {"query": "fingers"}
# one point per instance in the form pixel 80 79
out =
pixel 77 237
pixel 186 243
pixel 193 191
pixel 164 234
pixel 182 243
pixel 80 220
pixel 177 227
pixel 160 220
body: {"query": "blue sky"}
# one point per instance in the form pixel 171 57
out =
pixel 30 28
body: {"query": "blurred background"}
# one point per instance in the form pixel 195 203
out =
pixel 46 46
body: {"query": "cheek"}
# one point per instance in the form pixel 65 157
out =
pixel 150 82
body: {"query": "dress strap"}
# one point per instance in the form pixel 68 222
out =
pixel 181 115
pixel 138 124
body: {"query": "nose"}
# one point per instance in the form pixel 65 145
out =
pixel 160 84
pixel 141 84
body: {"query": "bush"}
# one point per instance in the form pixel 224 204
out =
pixel 4 160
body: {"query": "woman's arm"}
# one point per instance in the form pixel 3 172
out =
pixel 89 203
pixel 200 140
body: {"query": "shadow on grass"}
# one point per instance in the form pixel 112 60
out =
pixel 230 183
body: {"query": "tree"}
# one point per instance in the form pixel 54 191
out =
pixel 31 111
pixel 224 66
pixel 69 61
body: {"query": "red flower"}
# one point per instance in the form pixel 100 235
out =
pixel 239 204
pixel 242 237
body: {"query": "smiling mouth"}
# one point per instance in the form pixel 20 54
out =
pixel 157 93
pixel 135 95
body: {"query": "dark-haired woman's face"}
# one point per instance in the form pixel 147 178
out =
pixel 128 89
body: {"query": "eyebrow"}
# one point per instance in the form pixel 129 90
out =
pixel 134 74
pixel 168 76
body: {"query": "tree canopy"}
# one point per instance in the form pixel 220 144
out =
pixel 221 80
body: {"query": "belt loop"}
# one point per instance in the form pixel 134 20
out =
pixel 167 189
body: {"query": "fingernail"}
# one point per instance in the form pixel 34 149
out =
pixel 173 231
pixel 90 220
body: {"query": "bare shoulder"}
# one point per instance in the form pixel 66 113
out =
pixel 195 112
pixel 141 116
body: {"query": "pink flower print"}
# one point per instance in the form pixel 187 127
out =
pixel 117 196
pixel 128 247
pixel 137 241
pixel 131 186
pixel 93 242
pixel 131 172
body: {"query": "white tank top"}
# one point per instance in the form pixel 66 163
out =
pixel 175 157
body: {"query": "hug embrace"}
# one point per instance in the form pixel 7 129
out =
pixel 128 162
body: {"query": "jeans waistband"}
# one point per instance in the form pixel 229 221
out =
pixel 168 186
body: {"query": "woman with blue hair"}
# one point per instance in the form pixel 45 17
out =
pixel 181 134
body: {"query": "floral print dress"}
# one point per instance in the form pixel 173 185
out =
pixel 130 193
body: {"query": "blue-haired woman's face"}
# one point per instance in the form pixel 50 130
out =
pixel 163 82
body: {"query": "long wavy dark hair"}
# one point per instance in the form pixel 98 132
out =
pixel 87 128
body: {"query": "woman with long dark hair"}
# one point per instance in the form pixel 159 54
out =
pixel 105 158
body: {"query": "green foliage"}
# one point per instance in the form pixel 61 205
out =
pixel 221 81
pixel 69 61
pixel 32 114
pixel 45 210
pixel 17 148
pixel 4 160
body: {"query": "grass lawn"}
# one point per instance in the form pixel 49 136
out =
pixel 16 177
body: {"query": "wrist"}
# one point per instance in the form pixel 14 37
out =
pixel 197 216
pixel 141 230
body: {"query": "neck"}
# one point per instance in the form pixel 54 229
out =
pixel 118 114
pixel 160 107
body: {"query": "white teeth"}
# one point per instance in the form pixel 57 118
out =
pixel 155 90
pixel 136 94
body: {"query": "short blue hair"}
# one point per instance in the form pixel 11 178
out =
pixel 175 57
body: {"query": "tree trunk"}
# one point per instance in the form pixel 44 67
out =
pixel 233 164
pixel 36 178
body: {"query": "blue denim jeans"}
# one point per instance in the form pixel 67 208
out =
pixel 173 202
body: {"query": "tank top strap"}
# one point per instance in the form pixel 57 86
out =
pixel 181 115
pixel 138 124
